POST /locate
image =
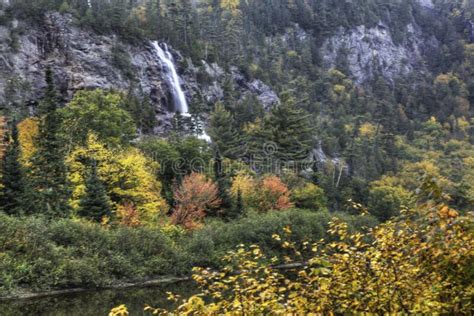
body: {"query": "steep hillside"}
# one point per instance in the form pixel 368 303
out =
pixel 367 40
pixel 142 138
pixel 84 59
pixel 365 74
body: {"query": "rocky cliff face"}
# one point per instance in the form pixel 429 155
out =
pixel 426 3
pixel 82 59
pixel 79 58
pixel 374 50
pixel 371 50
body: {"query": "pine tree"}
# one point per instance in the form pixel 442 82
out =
pixel 178 124
pixel 233 28
pixel 223 133
pixel 141 110
pixel 211 26
pixel 291 132
pixel 248 111
pixel 196 127
pixel 261 150
pixel 12 181
pixel 238 208
pixel 196 120
pixel 118 15
pixel 95 204
pixel 222 184
pixel 50 190
pixel 185 21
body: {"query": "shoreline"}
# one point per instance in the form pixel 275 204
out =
pixel 125 285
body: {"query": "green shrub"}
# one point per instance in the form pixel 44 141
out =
pixel 386 201
pixel 216 238
pixel 37 254
pixel 309 197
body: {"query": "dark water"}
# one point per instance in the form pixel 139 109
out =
pixel 97 302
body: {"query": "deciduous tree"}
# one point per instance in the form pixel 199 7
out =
pixel 99 112
pixel 128 176
pixel 28 130
pixel 310 197
pixel 273 194
pixel 247 187
pixel 194 198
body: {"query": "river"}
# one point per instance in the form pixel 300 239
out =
pixel 97 302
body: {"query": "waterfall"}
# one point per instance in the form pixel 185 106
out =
pixel 167 62
pixel 179 99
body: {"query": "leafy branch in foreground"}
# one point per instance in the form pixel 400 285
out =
pixel 419 262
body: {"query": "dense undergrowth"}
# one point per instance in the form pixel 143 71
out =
pixel 39 255
pixel 418 263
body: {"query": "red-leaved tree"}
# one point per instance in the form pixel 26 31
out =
pixel 193 198
pixel 273 195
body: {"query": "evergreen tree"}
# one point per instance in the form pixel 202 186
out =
pixel 291 132
pixel 95 204
pixel 178 124
pixel 196 128
pixel 222 184
pixel 223 133
pixel 196 120
pixel 248 111
pixel 238 208
pixel 261 149
pixel 230 94
pixel 12 180
pixel 185 21
pixel 50 190
pixel 178 129
pixel 141 111
pixel 233 27
pixel 64 8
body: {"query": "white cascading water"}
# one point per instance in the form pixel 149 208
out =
pixel 179 99
pixel 166 60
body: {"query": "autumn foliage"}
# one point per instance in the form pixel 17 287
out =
pixel 274 194
pixel 247 186
pixel 419 263
pixel 193 198
pixel 28 130
pixel 128 215
pixel 266 194
pixel 127 175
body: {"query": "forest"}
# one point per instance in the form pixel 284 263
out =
pixel 361 184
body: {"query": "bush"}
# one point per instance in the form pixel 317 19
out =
pixel 208 244
pixel 39 255
pixel 273 194
pixel 422 258
pixel 386 201
pixel 309 197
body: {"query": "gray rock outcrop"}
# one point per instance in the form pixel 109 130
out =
pixel 82 59
pixel 371 50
